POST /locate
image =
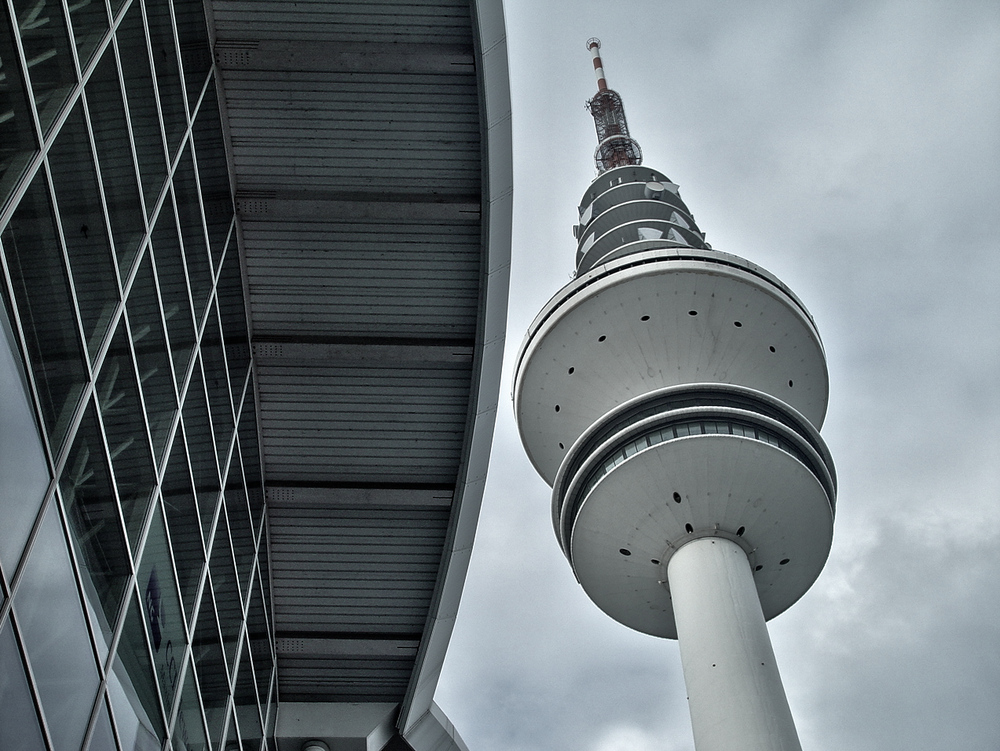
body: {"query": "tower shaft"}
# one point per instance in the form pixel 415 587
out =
pixel 734 690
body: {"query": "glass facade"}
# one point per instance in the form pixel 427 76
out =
pixel 134 592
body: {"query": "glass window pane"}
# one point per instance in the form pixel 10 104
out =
pixel 245 702
pixel 189 728
pixel 196 55
pixel 172 279
pixel 121 410
pixel 17 132
pixel 244 540
pixel 233 313
pixel 24 473
pixel 168 74
pixel 132 687
pixel 42 294
pixel 55 636
pixel 75 180
pixel 162 609
pixel 228 596
pixel 150 345
pixel 182 520
pixel 46 49
pixel 213 174
pixel 94 522
pixel 201 450
pixel 259 637
pixel 121 187
pixel 143 115
pixel 18 719
pixel 103 737
pixel 89 19
pixel 193 234
pixel 213 359
pixel 211 666
pixel 250 454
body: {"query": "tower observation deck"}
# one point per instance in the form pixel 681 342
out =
pixel 672 396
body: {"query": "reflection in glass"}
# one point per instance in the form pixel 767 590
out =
pixel 96 530
pixel 121 187
pixel 46 49
pixel 182 520
pixel 89 19
pixel 172 278
pixel 259 637
pixel 213 174
pixel 245 700
pixel 228 594
pixel 233 313
pixel 162 610
pixel 211 666
pixel 18 720
pixel 142 112
pixel 189 728
pixel 196 54
pixel 213 359
pixel 132 688
pixel 244 541
pixel 150 345
pixel 75 180
pixel 41 291
pixel 121 410
pixel 103 737
pixel 201 450
pixel 168 75
pixel 250 453
pixel 55 635
pixel 24 473
pixel 193 233
pixel 17 131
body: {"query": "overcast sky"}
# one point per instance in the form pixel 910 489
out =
pixel 853 149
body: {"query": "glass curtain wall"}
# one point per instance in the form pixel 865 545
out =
pixel 134 593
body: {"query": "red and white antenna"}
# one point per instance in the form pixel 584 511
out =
pixel 615 148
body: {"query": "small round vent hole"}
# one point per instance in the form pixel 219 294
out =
pixel 625 551
pixel 644 318
pixel 601 338
pixel 689 528
pixel 772 349
pixel 692 312
pixel 570 371
pixel 740 531
pixel 677 497
pixel 557 408
pixel 783 561
pixel 757 567
pixel 561 446
pixel 654 561
pixel 790 384
pixel 737 324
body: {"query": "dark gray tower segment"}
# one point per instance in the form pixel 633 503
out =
pixel 672 396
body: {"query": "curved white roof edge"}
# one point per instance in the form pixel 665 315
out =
pixel 421 722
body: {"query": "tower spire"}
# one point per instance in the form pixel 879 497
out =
pixel 615 148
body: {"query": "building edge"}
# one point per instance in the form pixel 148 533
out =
pixel 421 722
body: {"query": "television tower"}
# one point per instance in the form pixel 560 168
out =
pixel 671 395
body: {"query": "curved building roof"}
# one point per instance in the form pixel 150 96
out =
pixel 371 158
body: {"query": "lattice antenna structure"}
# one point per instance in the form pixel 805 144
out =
pixel 615 148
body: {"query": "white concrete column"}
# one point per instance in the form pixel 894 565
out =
pixel 734 691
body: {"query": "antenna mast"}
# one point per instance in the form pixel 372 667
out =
pixel 615 148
